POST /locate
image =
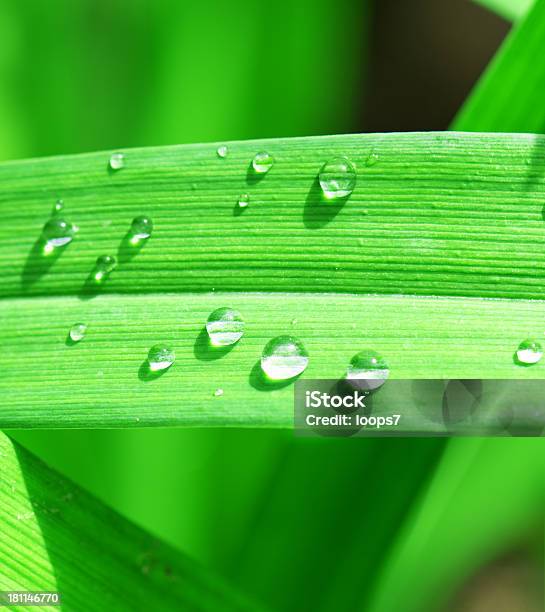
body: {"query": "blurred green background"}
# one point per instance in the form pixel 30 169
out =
pixel 300 524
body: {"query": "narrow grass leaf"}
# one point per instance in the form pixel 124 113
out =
pixel 57 537
pixel 453 218
pixel 509 96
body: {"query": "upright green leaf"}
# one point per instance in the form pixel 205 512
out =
pixel 509 9
pixel 486 499
pixel 510 95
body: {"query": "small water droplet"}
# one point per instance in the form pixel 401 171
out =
pixel 160 357
pixel 222 151
pixel 141 229
pixel 59 205
pixel 337 178
pixel 262 162
pixel 225 326
pixel 77 332
pixel 284 357
pixel 218 392
pixel 117 161
pixel 294 321
pixel 104 265
pixel 57 233
pixel 368 370
pixel 529 351
pixel 243 200
pixel 372 159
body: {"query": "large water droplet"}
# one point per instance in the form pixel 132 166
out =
pixel 117 161
pixel 529 352
pixel 243 200
pixel 337 178
pixel 77 332
pixel 284 357
pixel 160 357
pixel 58 232
pixel 104 265
pixel 222 151
pixel 262 162
pixel 225 326
pixel 141 229
pixel 368 370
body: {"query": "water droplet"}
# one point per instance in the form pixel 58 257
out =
pixel 225 326
pixel 337 178
pixel 218 392
pixel 284 357
pixel 117 161
pixel 262 162
pixel 368 369
pixel 294 321
pixel 141 228
pixel 529 352
pixel 104 265
pixel 160 357
pixel 372 159
pixel 222 151
pixel 59 205
pixel 243 200
pixel 77 332
pixel 58 233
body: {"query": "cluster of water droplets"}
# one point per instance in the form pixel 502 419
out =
pixel 283 357
pixel 58 232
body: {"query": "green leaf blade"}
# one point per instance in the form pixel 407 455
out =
pixel 57 537
pixel 102 381
pixel 440 216
pixel 508 97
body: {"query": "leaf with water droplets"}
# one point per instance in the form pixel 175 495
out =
pixel 407 281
